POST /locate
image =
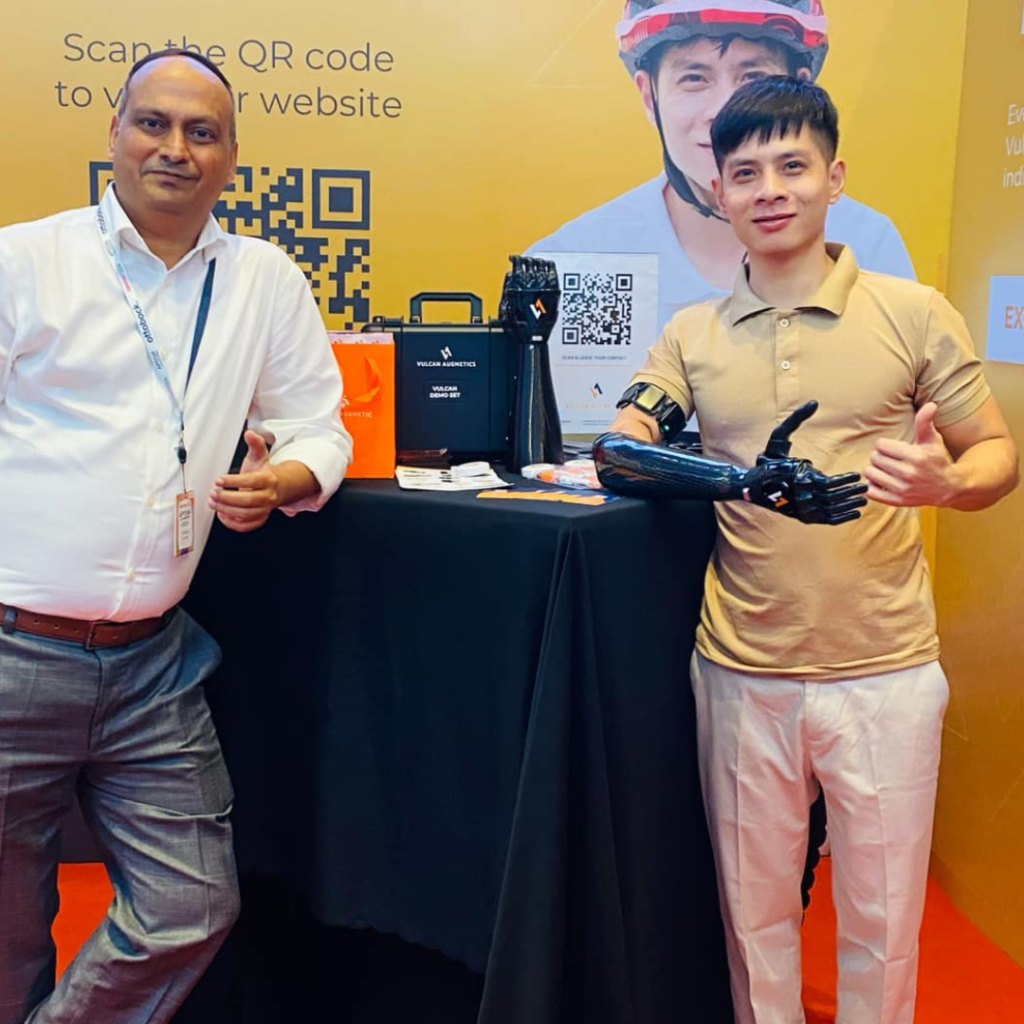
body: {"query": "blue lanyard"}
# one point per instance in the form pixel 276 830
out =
pixel 142 324
pixel 204 312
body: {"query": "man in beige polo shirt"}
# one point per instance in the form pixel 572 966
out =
pixel 816 653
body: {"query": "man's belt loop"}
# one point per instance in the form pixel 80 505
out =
pixel 10 619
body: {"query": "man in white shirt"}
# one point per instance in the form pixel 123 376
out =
pixel 686 58
pixel 136 337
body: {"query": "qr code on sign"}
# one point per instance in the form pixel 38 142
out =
pixel 319 216
pixel 597 309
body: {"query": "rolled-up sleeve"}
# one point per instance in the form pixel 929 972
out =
pixel 298 394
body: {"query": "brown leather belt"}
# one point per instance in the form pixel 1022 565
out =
pixel 99 633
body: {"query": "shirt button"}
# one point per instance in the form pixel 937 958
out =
pixel 158 426
pixel 150 501
pixel 131 574
pixel 784 322
pixel 785 364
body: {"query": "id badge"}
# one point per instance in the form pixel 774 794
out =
pixel 184 519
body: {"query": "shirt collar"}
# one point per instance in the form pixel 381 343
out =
pixel 831 296
pixel 212 239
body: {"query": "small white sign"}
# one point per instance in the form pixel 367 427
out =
pixel 607 319
pixel 1006 319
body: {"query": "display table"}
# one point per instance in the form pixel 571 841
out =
pixel 468 722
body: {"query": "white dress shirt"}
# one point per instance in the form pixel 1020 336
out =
pixel 88 435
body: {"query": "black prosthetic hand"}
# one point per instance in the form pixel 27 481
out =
pixel 529 299
pixel 791 487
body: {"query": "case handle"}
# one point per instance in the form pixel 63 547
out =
pixel 476 304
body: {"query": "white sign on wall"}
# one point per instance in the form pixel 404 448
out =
pixel 1006 319
pixel 607 319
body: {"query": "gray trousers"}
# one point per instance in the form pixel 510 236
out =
pixel 129 730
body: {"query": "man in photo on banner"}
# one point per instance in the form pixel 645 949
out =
pixel 686 58
pixel 816 658
pixel 136 338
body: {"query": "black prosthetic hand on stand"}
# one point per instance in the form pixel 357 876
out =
pixel 529 308
pixel 792 487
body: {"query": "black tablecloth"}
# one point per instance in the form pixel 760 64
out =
pixel 467 722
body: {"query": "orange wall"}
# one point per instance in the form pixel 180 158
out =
pixel 979 836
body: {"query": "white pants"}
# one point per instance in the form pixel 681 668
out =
pixel 873 745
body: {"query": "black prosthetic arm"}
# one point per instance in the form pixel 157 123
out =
pixel 528 310
pixel 629 466
pixel 791 487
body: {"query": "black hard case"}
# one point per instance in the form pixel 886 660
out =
pixel 454 382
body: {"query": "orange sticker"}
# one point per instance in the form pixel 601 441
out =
pixel 566 496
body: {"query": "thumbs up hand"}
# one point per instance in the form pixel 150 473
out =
pixel 917 473
pixel 244 500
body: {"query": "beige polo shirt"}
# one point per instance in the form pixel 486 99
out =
pixel 783 597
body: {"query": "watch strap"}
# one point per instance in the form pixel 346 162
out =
pixel 655 401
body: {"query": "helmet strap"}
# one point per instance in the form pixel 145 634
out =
pixel 679 182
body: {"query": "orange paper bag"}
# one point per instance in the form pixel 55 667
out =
pixel 367 364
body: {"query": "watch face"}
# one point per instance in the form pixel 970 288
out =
pixel 649 398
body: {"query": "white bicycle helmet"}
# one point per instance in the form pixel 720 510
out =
pixel 800 25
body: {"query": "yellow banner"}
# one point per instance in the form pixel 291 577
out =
pixel 395 147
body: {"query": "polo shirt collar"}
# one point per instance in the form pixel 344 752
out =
pixel 212 239
pixel 831 296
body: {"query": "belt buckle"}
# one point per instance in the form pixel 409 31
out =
pixel 90 637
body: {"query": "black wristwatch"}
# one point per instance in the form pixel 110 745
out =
pixel 651 399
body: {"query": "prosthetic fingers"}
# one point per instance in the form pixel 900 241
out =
pixel 792 487
pixel 529 299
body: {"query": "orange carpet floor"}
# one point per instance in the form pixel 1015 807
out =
pixel 965 979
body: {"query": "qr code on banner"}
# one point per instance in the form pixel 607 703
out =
pixel 319 216
pixel 597 308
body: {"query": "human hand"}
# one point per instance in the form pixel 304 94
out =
pixel 529 299
pixel 917 473
pixel 244 500
pixel 794 488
